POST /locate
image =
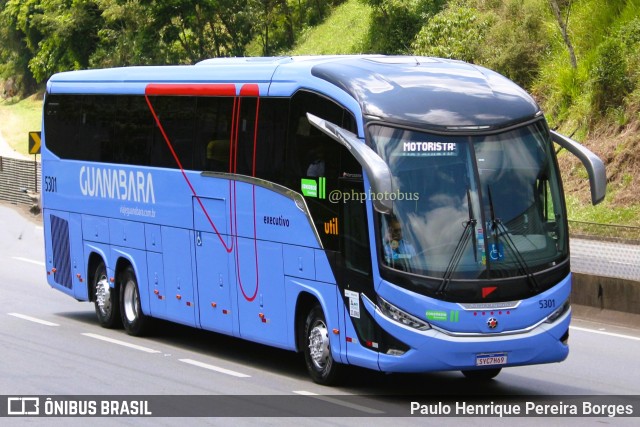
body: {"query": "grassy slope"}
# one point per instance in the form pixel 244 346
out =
pixel 343 32
pixel 19 118
pixel 614 136
pixel 619 146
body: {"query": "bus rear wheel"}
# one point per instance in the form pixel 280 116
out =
pixel 135 322
pixel 322 368
pixel 105 298
pixel 482 374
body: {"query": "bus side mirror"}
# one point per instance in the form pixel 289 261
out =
pixel 377 170
pixel 593 164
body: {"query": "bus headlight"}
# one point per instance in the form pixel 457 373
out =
pixel 402 317
pixel 559 312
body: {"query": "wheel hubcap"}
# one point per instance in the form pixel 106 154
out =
pixel 130 301
pixel 319 345
pixel 103 295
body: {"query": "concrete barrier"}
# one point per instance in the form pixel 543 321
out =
pixel 606 293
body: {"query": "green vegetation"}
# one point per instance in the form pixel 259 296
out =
pixel 18 118
pixel 341 33
pixel 579 58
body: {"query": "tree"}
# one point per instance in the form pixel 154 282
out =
pixel 563 23
pixel 395 23
pixel 19 39
pixel 457 32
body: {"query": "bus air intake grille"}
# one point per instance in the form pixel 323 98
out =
pixel 61 251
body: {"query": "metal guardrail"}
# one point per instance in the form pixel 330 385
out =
pixel 608 232
pixel 19 180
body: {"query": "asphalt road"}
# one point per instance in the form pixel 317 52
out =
pixel 52 345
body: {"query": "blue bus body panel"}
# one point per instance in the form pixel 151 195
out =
pixel 134 80
pixel 216 291
pixel 181 302
pixel 260 292
pixel 156 290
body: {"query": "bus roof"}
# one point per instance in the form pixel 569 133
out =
pixel 427 91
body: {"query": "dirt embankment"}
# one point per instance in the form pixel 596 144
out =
pixel 619 147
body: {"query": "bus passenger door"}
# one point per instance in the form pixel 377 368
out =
pixel 355 275
pixel 213 258
pixel 257 266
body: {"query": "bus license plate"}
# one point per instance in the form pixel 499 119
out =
pixel 490 359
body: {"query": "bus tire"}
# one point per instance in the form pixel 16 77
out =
pixel 482 374
pixel 322 368
pixel 135 322
pixel 106 298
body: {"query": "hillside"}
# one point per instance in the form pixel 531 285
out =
pixel 580 59
pixel 343 32
pixel 522 40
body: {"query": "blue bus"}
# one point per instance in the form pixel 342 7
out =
pixel 403 214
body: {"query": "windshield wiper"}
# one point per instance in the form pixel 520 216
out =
pixel 469 230
pixel 496 227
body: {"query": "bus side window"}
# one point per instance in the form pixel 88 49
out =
pixel 132 138
pixel 96 129
pixel 272 132
pixel 177 117
pixel 213 140
pixel 63 118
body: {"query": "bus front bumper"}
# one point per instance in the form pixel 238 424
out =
pixel 434 350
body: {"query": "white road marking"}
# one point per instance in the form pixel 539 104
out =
pixel 355 406
pixel 611 334
pixel 215 368
pixel 32 319
pixel 122 343
pixel 32 261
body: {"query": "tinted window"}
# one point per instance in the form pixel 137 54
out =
pixel 314 160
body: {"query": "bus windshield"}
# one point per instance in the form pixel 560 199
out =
pixel 471 207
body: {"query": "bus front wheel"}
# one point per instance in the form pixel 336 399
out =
pixel 317 349
pixel 133 319
pixel 105 298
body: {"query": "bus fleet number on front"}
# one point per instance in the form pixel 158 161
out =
pixel 546 303
pixel 50 184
